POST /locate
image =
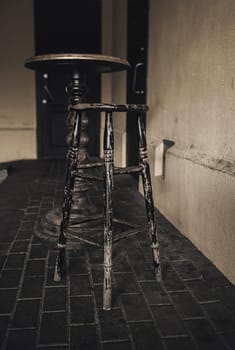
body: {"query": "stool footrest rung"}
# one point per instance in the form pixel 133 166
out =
pixel 82 222
pixel 106 107
pixel 88 177
pixel 128 170
pixel 83 238
pixel 117 171
pixel 129 233
pixel 90 165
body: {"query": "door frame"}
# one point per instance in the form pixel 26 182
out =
pixel 95 17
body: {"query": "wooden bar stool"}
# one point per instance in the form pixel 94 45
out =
pixel 109 172
pixel 76 67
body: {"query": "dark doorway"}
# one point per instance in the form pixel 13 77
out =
pixel 70 26
pixel 137 47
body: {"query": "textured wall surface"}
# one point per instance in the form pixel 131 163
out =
pixel 191 94
pixel 114 43
pixel 17 93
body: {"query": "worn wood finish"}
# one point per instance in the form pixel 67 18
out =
pixel 108 209
pixel 147 186
pixel 106 107
pixel 72 160
pixel 109 171
pixel 92 62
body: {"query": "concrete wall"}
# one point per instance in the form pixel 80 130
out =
pixel 191 93
pixel 17 92
pixel 114 43
pixel 17 86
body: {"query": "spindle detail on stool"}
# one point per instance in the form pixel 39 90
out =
pixel 109 171
pixel 76 66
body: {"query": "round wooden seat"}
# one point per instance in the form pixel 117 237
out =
pixel 77 61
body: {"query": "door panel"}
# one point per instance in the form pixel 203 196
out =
pixel 136 79
pixel 62 27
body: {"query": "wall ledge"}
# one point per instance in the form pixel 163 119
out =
pixel 17 128
pixel 205 160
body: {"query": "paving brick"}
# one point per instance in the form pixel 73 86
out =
pixel 221 316
pixel 34 203
pixel 20 246
pixel 53 328
pixel 185 269
pixel 145 336
pixel 211 274
pixel 154 293
pixel 26 339
pixel 135 307
pixel 97 273
pixel 203 335
pixel 31 216
pixel 38 251
pixel 26 313
pixel 28 226
pixel 55 299
pixel 32 210
pixel 8 235
pixel 168 320
pixel 136 257
pixel 15 261
pixel 2 261
pixel 3 327
pixel 126 283
pixel 120 345
pixel 230 339
pixel 7 300
pixel 36 240
pixel 171 280
pixel 4 247
pixel 35 268
pixel 172 255
pixel 113 325
pixel 186 305
pixel 120 264
pixel 201 290
pixel 24 235
pixel 46 205
pixel 227 295
pixel 80 254
pixel 84 338
pixel 10 278
pixel 77 266
pixel 54 348
pixel 32 287
pixel 80 285
pixel 81 310
pixel 144 271
pixel 180 344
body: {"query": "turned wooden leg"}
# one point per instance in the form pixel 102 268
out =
pixel 72 159
pixel 108 210
pixel 149 198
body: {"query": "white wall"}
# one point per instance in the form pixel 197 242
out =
pixel 114 43
pixel 191 93
pixel 17 92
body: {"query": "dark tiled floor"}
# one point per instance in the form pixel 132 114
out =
pixel 195 309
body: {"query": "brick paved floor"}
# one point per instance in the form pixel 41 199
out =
pixel 195 310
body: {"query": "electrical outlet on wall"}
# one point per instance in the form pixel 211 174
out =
pixel 158 160
pixel 160 157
